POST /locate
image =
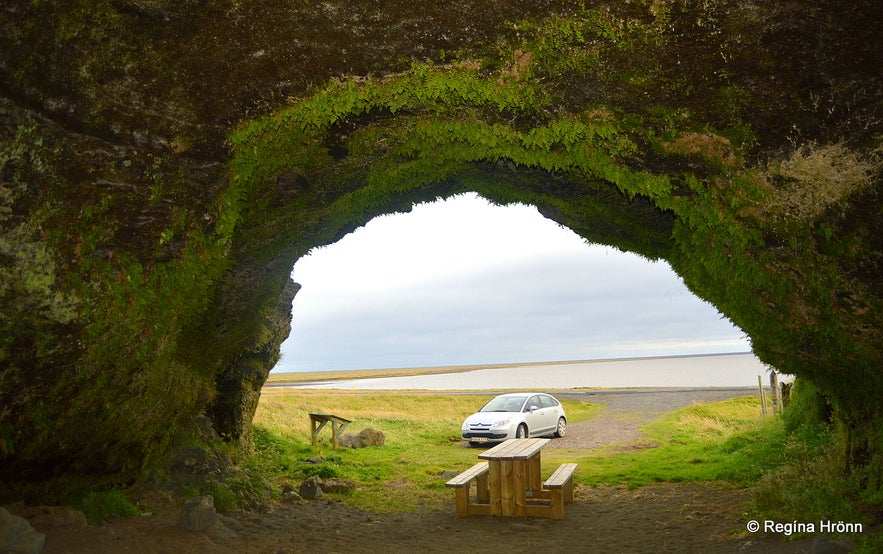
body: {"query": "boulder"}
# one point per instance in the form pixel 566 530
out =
pixel 17 536
pixel 365 437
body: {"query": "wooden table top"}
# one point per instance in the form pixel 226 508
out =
pixel 514 449
pixel 328 417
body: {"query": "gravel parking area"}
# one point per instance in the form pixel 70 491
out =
pixel 628 409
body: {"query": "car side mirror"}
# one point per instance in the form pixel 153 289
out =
pixel 532 408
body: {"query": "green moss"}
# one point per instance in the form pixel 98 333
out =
pixel 452 118
pixel 95 371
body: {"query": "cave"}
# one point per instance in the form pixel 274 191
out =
pixel 164 164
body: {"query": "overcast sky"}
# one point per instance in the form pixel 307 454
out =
pixel 462 282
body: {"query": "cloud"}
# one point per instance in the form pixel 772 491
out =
pixel 462 282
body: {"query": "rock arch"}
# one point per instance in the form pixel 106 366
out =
pixel 371 146
pixel 149 245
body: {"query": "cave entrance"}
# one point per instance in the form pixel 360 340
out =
pixel 462 282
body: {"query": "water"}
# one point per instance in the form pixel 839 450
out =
pixel 722 370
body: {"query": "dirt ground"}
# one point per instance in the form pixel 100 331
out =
pixel 660 518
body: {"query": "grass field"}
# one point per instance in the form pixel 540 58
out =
pixel 720 441
pixel 727 440
pixel 792 476
pixel 422 434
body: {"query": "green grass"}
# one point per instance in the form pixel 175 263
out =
pixel 791 475
pixel 812 484
pixel 422 433
pixel 719 441
pixel 794 475
pixel 98 506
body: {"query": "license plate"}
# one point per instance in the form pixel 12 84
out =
pixel 478 439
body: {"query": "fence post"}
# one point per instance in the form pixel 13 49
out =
pixel 774 392
pixel 762 395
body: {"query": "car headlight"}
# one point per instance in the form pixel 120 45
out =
pixel 502 423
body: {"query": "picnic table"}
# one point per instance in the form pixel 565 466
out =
pixel 510 483
pixel 513 474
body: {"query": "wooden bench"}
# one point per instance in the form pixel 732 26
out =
pixel 560 486
pixel 462 485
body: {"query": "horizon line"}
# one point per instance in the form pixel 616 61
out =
pixel 496 365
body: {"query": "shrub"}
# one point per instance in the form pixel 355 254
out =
pixel 98 506
pixel 812 485
pixel 808 406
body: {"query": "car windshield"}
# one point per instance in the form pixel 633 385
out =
pixel 504 404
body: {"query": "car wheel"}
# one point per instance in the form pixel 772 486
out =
pixel 521 432
pixel 562 427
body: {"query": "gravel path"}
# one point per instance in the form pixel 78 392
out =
pixel 625 411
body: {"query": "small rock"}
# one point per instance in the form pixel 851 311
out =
pixel 311 489
pixel 338 486
pixel 315 460
pixel 289 494
pixel 199 514
pixel 17 536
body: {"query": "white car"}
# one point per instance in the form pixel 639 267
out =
pixel 515 416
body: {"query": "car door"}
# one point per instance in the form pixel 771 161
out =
pixel 538 419
pixel 550 412
pixel 553 410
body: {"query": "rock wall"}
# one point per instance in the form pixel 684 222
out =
pixel 163 164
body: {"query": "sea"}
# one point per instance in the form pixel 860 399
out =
pixel 699 371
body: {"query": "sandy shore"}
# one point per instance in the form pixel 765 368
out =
pixel 281 379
